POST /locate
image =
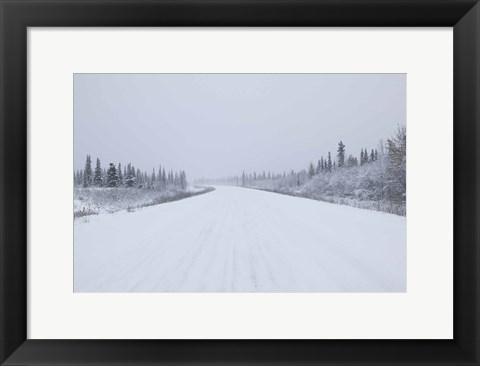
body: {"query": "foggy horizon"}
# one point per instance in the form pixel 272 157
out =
pixel 218 125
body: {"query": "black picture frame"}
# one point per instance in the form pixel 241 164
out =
pixel 17 15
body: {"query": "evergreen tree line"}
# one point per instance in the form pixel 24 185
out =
pixel 323 165
pixel 128 177
pixel 375 175
pixel 243 180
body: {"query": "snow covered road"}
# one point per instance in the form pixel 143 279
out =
pixel 241 240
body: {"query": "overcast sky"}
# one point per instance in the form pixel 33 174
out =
pixel 214 125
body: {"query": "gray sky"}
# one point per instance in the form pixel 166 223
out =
pixel 214 125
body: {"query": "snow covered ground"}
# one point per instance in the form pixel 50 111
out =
pixel 94 201
pixel 241 240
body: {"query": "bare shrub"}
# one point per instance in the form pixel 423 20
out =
pixel 92 201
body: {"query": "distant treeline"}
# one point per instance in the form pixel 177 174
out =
pixel 128 177
pixel 376 179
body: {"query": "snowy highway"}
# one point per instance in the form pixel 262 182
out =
pixel 241 240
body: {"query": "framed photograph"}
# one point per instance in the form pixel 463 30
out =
pixel 239 182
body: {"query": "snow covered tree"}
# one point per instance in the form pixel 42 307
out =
pixel 139 178
pixel 87 173
pixel 129 177
pixel 76 179
pixel 164 179
pixel 104 177
pixel 120 175
pixel 351 161
pixel 397 165
pixel 318 169
pixel 97 176
pixel 153 178
pixel 112 176
pixel 372 156
pixel 341 154
pixel 79 178
pixel 329 162
pixel 311 171
pixel 183 180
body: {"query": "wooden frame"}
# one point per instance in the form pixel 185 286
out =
pixel 17 15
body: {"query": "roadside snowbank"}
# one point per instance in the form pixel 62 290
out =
pixel 94 201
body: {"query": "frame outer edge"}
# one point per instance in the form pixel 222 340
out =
pixel 3 334
pixel 13 198
pixel 13 181
pixel 467 183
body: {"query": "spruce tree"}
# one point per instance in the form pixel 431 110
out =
pixel 138 177
pixel 120 176
pixel 87 174
pixel 318 169
pixel 129 177
pixel 184 180
pixel 153 178
pixel 311 170
pixel 78 178
pixel 341 154
pixel 329 162
pixel 97 176
pixel 112 176
pixel 104 176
